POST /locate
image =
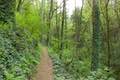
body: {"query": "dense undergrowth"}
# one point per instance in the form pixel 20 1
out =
pixel 77 70
pixel 18 54
pixel 19 45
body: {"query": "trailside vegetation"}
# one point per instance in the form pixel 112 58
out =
pixel 83 45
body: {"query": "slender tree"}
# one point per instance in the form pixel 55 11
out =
pixel 57 25
pixel 65 24
pixel 42 16
pixel 78 24
pixel 62 28
pixel 117 11
pixel 108 31
pixel 49 21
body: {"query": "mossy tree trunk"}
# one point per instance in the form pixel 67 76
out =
pixel 96 36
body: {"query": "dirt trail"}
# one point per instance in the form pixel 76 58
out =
pixel 44 69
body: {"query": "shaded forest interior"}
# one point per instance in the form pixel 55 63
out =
pixel 82 36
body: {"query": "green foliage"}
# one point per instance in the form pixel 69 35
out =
pixel 17 54
pixel 60 72
pixel 100 75
pixel 7 9
pixel 31 22
pixel 79 68
pixel 19 44
pixel 76 69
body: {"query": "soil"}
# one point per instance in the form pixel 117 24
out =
pixel 45 68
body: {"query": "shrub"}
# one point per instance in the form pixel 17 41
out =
pixel 17 54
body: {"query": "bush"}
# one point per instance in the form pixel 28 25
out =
pixel 100 74
pixel 16 53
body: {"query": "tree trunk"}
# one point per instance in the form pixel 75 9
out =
pixel 108 32
pixel 42 14
pixel 49 22
pixel 96 36
pixel 62 28
pixel 78 25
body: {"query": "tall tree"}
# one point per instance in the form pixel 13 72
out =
pixel 108 30
pixel 57 25
pixel 78 24
pixel 96 35
pixel 49 21
pixel 65 24
pixel 42 16
pixel 62 28
pixel 117 11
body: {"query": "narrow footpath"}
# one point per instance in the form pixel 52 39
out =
pixel 45 68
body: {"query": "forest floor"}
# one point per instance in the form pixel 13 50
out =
pixel 45 68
